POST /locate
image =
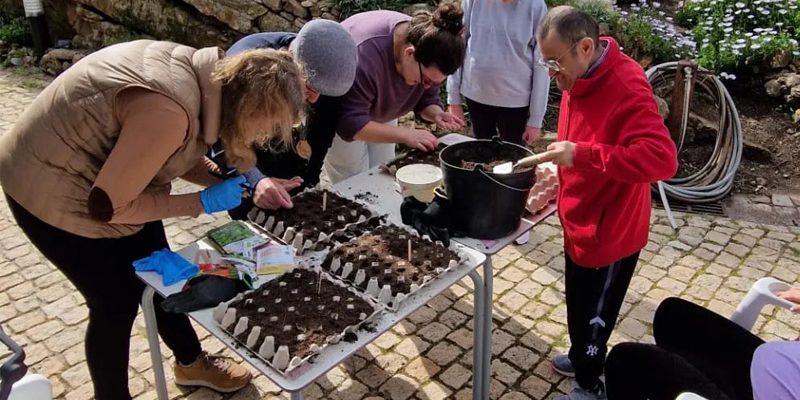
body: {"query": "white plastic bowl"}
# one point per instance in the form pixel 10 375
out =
pixel 419 180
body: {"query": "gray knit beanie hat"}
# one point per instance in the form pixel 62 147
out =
pixel 328 53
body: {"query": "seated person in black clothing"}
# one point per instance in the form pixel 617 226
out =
pixel 328 54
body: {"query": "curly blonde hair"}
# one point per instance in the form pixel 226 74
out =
pixel 262 83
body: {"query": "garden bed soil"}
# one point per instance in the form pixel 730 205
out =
pixel 293 300
pixel 767 126
pixel 771 157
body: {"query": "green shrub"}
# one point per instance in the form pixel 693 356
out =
pixel 15 30
pixel 642 32
pixel 732 34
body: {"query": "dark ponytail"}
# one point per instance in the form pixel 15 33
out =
pixel 436 37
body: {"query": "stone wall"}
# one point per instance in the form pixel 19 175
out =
pixel 194 22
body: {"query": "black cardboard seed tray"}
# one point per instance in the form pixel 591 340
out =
pixel 384 293
pixel 277 355
pixel 300 234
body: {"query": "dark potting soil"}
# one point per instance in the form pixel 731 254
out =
pixel 367 196
pixel 487 158
pixel 353 231
pixel 304 303
pixel 414 156
pixel 383 254
pixel 308 218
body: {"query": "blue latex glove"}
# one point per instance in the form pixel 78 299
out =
pixel 223 196
pixel 172 267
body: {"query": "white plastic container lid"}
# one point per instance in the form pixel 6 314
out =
pixel 419 180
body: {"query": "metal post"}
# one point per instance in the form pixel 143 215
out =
pixel 478 335
pixel 297 395
pixel 488 279
pixel 152 339
pixel 681 98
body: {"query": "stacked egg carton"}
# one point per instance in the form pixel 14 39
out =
pixel 276 336
pixel 544 191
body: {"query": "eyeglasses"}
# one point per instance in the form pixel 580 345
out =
pixel 554 64
pixel 424 80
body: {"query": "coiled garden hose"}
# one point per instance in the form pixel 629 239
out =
pixel 715 179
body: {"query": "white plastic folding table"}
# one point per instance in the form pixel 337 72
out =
pixel 380 190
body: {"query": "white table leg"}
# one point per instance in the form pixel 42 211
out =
pixel 152 340
pixel 486 367
pixel 477 336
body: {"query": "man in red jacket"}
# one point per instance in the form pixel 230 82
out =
pixel 612 143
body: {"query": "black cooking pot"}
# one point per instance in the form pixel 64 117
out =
pixel 485 205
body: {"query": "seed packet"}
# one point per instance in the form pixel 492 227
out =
pixel 273 258
pixel 236 238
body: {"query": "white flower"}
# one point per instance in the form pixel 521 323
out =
pixel 740 5
pixel 755 47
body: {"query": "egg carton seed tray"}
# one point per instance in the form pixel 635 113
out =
pixel 306 224
pixel 307 324
pixel 543 192
pixel 377 263
pixel 413 156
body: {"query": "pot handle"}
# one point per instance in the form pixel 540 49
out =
pixel 498 139
pixel 501 183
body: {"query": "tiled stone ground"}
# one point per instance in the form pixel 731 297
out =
pixel 711 261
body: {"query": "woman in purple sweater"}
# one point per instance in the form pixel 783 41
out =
pixel 402 61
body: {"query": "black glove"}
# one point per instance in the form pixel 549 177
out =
pixel 203 291
pixel 428 219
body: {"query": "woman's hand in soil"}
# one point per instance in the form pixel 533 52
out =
pixel 448 121
pixel 531 134
pixel 792 295
pixel 223 196
pixel 560 153
pixel 273 193
pixel 421 139
pixel 457 110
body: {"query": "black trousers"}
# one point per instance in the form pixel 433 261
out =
pixel 489 121
pixel 594 298
pixel 102 271
pixel 696 351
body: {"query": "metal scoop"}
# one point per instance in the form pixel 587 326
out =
pixel 508 167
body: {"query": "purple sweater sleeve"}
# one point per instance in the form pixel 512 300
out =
pixel 356 105
pixel 775 371
pixel 431 96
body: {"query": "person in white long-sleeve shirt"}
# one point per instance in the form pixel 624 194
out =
pixel 504 85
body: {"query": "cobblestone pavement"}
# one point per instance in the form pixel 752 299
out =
pixel 711 261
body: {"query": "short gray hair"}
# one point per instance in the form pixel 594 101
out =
pixel 570 24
